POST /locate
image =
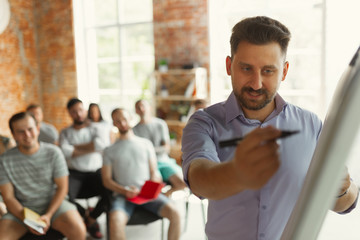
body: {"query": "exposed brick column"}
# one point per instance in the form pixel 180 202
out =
pixel 181 32
pixel 56 51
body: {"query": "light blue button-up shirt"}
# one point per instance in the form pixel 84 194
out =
pixel 250 214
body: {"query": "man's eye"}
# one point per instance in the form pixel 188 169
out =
pixel 268 71
pixel 246 69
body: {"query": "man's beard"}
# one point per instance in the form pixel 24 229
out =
pixel 78 122
pixel 123 132
pixel 251 104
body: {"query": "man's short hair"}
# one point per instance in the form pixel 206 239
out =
pixel 116 110
pixel 19 116
pixel 32 106
pixel 72 102
pixel 260 30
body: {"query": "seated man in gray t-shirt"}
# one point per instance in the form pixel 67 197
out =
pixel 128 163
pixel 35 175
pixel 48 133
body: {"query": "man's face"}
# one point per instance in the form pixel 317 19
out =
pixel 121 120
pixel 37 113
pixel 78 113
pixel 256 72
pixel 26 133
pixel 142 108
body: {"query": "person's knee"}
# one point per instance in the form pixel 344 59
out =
pixel 118 218
pixel 11 230
pixel 70 224
pixel 170 212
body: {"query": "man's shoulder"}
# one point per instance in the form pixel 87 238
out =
pixel 47 125
pixel 13 152
pixel 297 111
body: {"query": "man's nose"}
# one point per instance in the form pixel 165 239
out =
pixel 256 81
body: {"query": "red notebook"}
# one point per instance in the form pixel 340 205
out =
pixel 149 191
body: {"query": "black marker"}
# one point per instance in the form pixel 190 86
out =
pixel 235 141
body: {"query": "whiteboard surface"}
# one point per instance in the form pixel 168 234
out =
pixel 327 167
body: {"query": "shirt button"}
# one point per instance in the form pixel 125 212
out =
pixel 263 207
pixel 262 235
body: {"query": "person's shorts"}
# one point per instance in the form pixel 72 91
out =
pixel 64 207
pixel 119 203
pixel 168 168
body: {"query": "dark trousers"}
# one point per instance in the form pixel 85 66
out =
pixel 83 185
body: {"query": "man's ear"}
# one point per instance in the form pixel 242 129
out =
pixel 285 70
pixel 228 65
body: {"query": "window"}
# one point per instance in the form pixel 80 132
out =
pixel 115 51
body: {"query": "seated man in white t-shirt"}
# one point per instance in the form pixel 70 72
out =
pixel 82 146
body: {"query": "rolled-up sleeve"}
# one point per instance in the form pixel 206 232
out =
pixel 197 142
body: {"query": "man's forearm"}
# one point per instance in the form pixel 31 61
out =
pixel 212 180
pixel 56 201
pixel 14 207
pixel 85 147
pixel 82 149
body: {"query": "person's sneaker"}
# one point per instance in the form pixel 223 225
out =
pixel 94 230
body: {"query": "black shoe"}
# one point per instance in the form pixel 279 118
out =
pixel 94 230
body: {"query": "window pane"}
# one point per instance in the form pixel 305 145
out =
pixel 100 12
pixel 108 42
pixel 135 11
pixel 137 40
pixel 109 75
pixel 137 76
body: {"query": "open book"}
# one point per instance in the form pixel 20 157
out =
pixel 31 219
pixel 149 191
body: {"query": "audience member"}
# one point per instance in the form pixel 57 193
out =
pixel 128 163
pixel 34 175
pixel 6 143
pixel 105 128
pixel 156 130
pixel 82 147
pixel 3 209
pixel 48 133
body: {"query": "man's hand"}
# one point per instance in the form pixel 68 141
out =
pixel 256 158
pixel 345 184
pixel 131 191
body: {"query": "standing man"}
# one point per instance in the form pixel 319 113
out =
pixel 128 163
pixel 82 147
pixel 35 175
pixel 156 130
pixel 252 187
pixel 48 133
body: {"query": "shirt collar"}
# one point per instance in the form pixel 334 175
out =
pixel 233 110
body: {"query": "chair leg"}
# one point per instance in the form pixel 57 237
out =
pixel 186 213
pixel 162 228
pixel 203 211
pixel 107 225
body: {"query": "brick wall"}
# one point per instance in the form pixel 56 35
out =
pixel 37 60
pixel 56 56
pixel 20 82
pixel 181 32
